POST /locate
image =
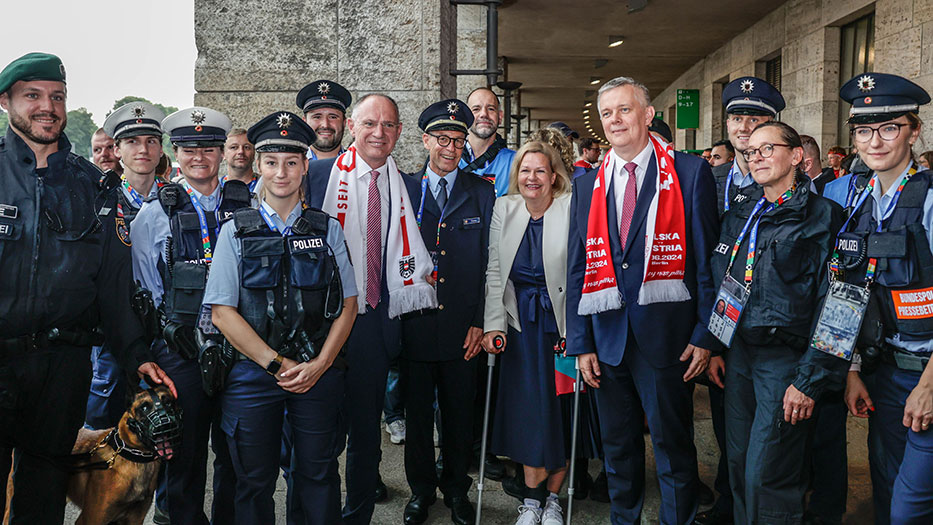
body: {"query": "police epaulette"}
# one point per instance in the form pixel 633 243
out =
pixel 312 221
pixel 108 180
pixel 169 197
pixel 237 191
pixel 247 220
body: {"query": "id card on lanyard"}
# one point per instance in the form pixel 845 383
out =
pixel 844 308
pixel 437 240
pixel 733 295
pixel 204 318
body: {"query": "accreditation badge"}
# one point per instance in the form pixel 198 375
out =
pixel 840 319
pixel 727 310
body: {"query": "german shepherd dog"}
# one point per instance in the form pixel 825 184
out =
pixel 116 470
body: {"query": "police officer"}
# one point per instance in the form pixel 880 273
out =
pixel 325 104
pixel 784 235
pixel 65 270
pixel 453 210
pixel 886 245
pixel 275 292
pixel 748 102
pixel 136 129
pixel 174 237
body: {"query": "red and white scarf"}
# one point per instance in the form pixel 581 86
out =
pixel 406 258
pixel 665 248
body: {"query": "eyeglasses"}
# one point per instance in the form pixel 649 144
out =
pixel 444 141
pixel 766 150
pixel 888 131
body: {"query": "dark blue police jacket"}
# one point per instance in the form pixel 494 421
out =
pixel 662 330
pixel 438 334
pixel 316 181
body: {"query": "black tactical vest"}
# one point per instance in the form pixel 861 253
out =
pixel 903 278
pixel 184 276
pixel 288 282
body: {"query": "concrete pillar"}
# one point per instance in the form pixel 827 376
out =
pixel 253 57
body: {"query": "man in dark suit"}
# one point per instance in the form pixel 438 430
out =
pixel 640 356
pixel 453 209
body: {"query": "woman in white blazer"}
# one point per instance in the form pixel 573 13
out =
pixel 526 280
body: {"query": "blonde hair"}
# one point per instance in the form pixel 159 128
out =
pixel 558 141
pixel 561 183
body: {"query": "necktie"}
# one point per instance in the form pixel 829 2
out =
pixel 442 194
pixel 373 242
pixel 628 203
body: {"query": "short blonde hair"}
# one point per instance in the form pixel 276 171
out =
pixel 561 181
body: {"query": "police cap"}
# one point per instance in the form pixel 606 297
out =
pixel 878 97
pixel 197 127
pixel 134 119
pixel 752 96
pixel 323 93
pixel 32 66
pixel 281 131
pixel 451 114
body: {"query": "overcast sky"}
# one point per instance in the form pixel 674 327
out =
pixel 110 48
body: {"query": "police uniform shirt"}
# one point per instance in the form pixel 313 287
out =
pixel 153 191
pixel 223 283
pixel 434 181
pixel 620 177
pixel 311 155
pixel 880 202
pixel 738 178
pixel 148 234
pixel 499 166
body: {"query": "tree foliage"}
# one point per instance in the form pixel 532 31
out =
pixel 80 129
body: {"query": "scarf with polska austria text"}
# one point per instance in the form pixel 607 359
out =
pixel 665 249
pixel 407 261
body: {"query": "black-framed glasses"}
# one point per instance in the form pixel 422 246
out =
pixel 765 150
pixel 444 141
pixel 889 131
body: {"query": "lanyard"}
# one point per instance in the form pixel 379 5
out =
pixel 753 236
pixel 271 224
pixel 424 190
pixel 729 178
pixel 202 221
pixel 137 198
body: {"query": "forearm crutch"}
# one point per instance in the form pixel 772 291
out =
pixel 498 342
pixel 573 441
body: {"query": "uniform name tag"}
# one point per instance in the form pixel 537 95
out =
pixel 722 248
pixel 470 220
pixel 299 245
pixel 849 246
pixel 913 304
pixel 8 211
pixel 6 230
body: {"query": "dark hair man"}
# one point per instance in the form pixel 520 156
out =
pixel 721 153
pixel 589 153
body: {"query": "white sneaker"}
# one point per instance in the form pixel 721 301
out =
pixel 553 514
pixel 528 515
pixel 396 431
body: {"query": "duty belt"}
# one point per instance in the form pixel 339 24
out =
pixel 45 339
pixel 904 360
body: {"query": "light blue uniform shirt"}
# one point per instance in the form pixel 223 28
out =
pixel 838 190
pixel 434 181
pixel 498 167
pixel 880 202
pixel 223 284
pixel 737 178
pixel 148 233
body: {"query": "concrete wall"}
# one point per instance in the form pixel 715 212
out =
pixel 252 59
pixel 806 34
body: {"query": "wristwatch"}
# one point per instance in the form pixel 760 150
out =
pixel 273 367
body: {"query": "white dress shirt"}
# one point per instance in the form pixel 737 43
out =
pixel 620 177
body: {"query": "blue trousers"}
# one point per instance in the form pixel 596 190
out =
pixel 107 398
pixel 668 405
pixel 901 460
pixel 186 473
pixel 767 456
pixel 394 409
pixel 372 345
pixel 253 410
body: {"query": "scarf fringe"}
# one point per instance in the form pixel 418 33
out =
pixel 667 291
pixel 410 298
pixel 600 301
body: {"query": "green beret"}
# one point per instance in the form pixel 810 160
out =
pixel 32 66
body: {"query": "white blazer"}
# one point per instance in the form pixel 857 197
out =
pixel 509 221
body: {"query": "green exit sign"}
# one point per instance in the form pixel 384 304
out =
pixel 688 108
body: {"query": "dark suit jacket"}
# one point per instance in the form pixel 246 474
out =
pixel 316 181
pixel 662 330
pixel 438 334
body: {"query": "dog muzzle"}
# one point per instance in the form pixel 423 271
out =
pixel 158 427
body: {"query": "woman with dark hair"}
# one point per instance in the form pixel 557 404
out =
pixel 783 233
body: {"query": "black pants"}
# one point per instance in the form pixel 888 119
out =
pixel 43 396
pixel 829 476
pixel 455 382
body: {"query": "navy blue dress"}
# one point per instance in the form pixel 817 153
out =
pixel 531 425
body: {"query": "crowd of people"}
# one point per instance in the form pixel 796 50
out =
pixel 290 302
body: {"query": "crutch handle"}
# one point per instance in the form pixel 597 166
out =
pixel 498 342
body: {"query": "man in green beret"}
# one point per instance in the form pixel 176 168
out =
pixel 66 285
